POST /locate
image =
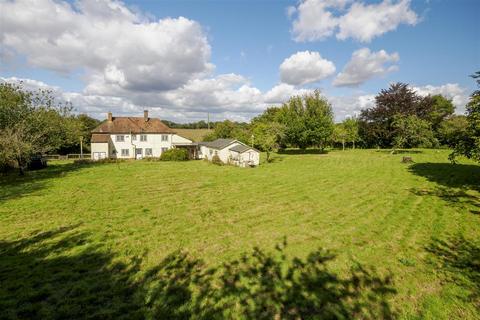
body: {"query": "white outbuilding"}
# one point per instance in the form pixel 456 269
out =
pixel 230 151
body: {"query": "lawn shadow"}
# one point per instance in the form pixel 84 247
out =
pixel 13 185
pixel 302 151
pixel 400 151
pixel 458 259
pixel 61 274
pixel 454 180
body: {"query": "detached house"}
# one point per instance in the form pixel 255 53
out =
pixel 136 138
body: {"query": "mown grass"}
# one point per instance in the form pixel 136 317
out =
pixel 134 239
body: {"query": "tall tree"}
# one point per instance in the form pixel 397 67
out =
pixel 267 136
pixel 411 132
pixel 308 120
pixel 452 130
pixel 340 134
pixel 31 123
pixel 351 128
pixel 441 109
pixel 469 145
pixel 376 124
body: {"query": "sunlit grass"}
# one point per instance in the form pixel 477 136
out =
pixel 365 205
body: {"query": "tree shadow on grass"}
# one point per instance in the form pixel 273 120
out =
pixel 400 151
pixel 12 185
pixel 454 180
pixel 459 261
pixel 61 274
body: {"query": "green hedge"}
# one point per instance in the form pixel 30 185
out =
pixel 174 155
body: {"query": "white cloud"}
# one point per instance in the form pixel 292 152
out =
pixel 305 67
pixel 282 92
pixel 117 47
pixel 350 106
pixel 365 65
pixel 319 19
pixel 453 91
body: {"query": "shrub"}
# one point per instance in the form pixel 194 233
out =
pixel 216 160
pixel 174 155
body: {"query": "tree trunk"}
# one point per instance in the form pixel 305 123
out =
pixel 21 167
pixel 353 144
pixel 343 145
pixel 268 156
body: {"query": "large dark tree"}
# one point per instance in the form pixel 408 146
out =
pixel 469 145
pixel 376 124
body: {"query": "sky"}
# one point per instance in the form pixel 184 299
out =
pixel 184 59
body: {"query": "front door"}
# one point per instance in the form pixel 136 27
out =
pixel 138 153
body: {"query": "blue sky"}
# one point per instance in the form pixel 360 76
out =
pixel 238 61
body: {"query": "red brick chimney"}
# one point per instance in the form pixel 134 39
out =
pixel 109 117
pixel 145 115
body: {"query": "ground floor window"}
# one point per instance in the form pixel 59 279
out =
pixel 125 153
pixel 164 149
pixel 148 151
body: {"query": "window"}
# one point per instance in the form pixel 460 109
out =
pixel 164 137
pixel 134 137
pixel 148 151
pixel 164 149
pixel 143 137
pixel 120 138
pixel 211 151
pixel 125 153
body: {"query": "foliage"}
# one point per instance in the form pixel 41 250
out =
pixel 216 160
pixel 308 121
pixel 376 124
pixel 452 130
pixel 32 123
pixel 267 136
pixel 469 146
pixel 230 130
pixel 174 154
pixel 340 134
pixel 351 129
pixel 441 109
pixel 412 132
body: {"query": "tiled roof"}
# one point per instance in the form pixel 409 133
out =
pixel 218 144
pixel 240 148
pixel 100 138
pixel 132 125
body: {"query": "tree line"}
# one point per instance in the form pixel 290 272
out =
pixel 400 118
pixel 33 123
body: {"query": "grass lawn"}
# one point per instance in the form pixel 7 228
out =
pixel 148 239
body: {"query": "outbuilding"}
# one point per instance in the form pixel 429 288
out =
pixel 230 151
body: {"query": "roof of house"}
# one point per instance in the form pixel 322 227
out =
pixel 241 148
pixel 218 144
pixel 100 138
pixel 132 125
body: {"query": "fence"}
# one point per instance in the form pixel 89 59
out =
pixel 67 156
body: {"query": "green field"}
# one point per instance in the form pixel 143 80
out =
pixel 148 239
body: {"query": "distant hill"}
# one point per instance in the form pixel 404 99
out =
pixel 196 135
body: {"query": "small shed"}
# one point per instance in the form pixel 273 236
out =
pixel 230 151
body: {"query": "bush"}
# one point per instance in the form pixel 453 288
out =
pixel 174 155
pixel 91 161
pixel 216 160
